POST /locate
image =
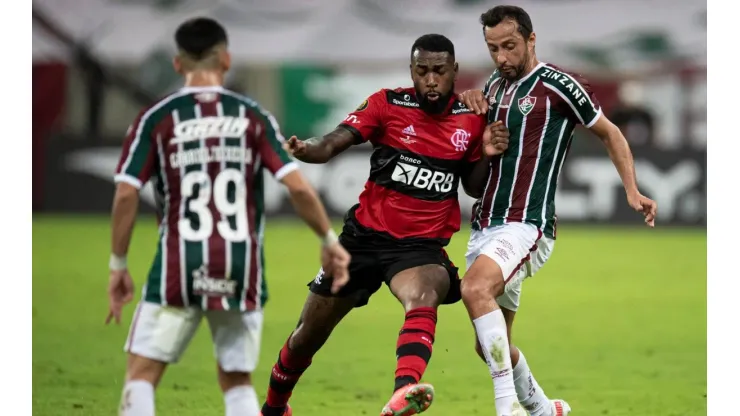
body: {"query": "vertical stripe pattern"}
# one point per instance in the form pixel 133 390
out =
pixel 522 182
pixel 185 248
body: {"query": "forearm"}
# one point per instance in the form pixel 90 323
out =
pixel 122 223
pixel 318 150
pixel 474 182
pixel 309 207
pixel 621 156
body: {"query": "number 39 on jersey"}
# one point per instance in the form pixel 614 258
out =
pixel 206 150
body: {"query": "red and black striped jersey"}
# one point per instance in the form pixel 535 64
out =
pixel 416 163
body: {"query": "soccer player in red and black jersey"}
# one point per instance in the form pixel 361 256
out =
pixel 514 218
pixel 424 141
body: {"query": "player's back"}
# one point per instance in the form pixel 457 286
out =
pixel 204 148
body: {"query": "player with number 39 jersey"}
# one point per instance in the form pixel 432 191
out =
pixel 205 149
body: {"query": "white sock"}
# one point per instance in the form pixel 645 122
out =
pixel 529 393
pixel 137 399
pixel 491 330
pixel 241 401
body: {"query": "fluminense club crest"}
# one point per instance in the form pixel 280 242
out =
pixel 526 104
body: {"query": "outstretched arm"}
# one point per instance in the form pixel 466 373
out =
pixel 322 149
pixel 621 155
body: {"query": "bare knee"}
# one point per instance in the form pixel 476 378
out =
pixel 145 369
pixel 423 286
pixel 308 338
pixel 425 295
pixel 230 379
pixel 476 287
pixel 320 316
pixel 482 284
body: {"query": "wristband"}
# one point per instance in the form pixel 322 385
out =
pixel 117 263
pixel 330 238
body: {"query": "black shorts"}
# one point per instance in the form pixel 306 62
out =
pixel 377 257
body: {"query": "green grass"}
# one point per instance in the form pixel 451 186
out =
pixel 615 323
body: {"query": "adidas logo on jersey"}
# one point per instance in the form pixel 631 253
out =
pixel 422 178
pixel 409 131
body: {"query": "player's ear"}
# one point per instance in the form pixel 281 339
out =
pixel 532 39
pixel 225 58
pixel 457 68
pixel 177 64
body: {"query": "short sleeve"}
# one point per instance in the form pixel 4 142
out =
pixel 366 121
pixel 274 157
pixel 136 163
pixel 574 97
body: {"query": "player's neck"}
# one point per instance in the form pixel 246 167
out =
pixel 202 78
pixel 530 67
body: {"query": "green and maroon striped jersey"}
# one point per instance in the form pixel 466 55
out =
pixel 541 111
pixel 205 149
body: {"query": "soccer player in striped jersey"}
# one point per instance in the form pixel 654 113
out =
pixel 514 218
pixel 425 144
pixel 206 150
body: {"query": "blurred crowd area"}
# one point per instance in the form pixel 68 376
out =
pixel 310 62
pixel 651 80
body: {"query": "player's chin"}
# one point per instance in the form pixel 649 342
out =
pixel 508 73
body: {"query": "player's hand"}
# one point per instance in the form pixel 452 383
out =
pixel 474 100
pixel 644 205
pixel 495 139
pixel 120 292
pixel 295 147
pixel 335 261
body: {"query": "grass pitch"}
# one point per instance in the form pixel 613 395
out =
pixel 615 323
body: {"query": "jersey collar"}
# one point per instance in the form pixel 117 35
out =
pixel 201 89
pixel 526 77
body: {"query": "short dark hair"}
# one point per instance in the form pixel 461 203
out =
pixel 433 42
pixel 498 14
pixel 197 36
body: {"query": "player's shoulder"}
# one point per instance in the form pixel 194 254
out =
pixel 393 97
pixel 242 99
pixel 458 108
pixel 494 76
pixel 163 105
pixel 557 76
pixel 402 97
pixel 252 108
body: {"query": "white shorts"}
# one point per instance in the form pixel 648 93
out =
pixel 519 249
pixel 163 333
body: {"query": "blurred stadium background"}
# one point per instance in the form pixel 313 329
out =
pixel 616 323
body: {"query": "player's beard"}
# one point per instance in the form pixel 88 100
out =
pixel 518 70
pixel 437 106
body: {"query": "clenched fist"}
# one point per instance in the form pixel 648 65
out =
pixel 495 139
pixel 295 147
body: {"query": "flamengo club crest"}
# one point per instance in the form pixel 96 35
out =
pixel 526 104
pixel 460 140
